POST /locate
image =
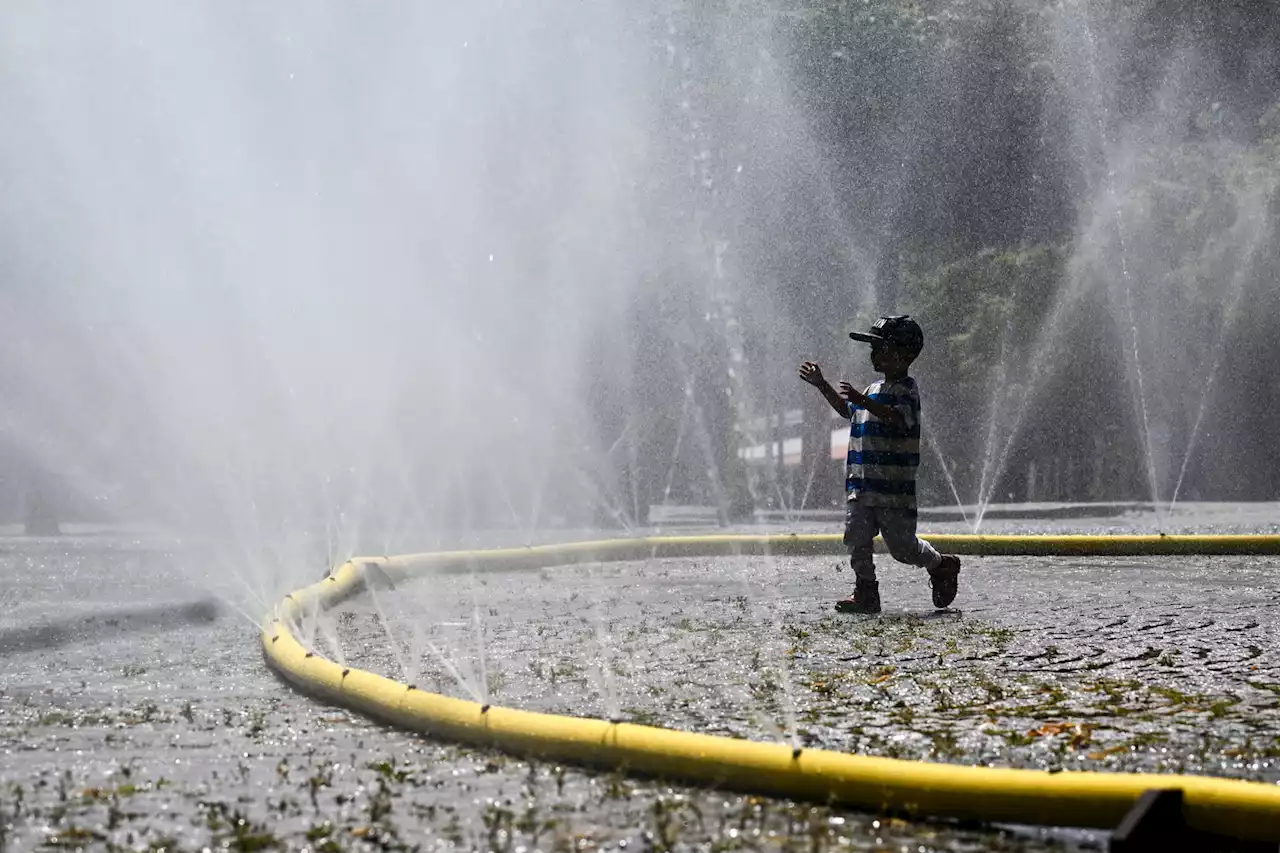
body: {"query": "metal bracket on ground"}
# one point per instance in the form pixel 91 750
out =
pixel 1156 824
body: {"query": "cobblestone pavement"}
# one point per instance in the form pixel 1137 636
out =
pixel 1104 664
pixel 133 717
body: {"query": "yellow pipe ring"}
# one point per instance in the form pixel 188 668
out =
pixel 1233 808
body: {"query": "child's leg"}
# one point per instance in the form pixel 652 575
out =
pixel 898 527
pixel 859 535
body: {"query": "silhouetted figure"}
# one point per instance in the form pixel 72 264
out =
pixel 884 451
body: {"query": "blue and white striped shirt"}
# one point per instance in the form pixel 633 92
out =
pixel 882 462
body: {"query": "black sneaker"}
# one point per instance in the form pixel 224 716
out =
pixel 865 599
pixel 945 580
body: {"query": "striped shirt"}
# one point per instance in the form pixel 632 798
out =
pixel 881 467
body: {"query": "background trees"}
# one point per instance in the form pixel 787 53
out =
pixel 1078 200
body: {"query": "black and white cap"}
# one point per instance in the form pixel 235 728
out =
pixel 900 330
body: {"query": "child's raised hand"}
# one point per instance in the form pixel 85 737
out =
pixel 811 373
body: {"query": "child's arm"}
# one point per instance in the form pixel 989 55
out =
pixel 882 412
pixel 812 374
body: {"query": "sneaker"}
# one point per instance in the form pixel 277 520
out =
pixel 865 599
pixel 945 580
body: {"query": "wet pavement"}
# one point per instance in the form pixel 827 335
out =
pixel 134 716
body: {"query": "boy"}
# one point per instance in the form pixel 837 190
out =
pixel 880 475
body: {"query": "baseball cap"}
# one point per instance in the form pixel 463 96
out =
pixel 900 330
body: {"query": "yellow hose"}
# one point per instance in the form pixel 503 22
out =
pixel 1232 808
pixel 790 544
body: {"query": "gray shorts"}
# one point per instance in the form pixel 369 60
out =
pixel 897 527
